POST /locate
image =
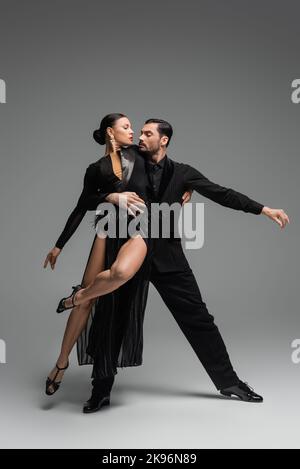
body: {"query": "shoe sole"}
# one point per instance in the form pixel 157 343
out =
pixel 103 403
pixel 229 394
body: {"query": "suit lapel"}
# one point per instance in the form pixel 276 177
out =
pixel 131 166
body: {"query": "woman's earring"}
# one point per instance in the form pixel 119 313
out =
pixel 112 143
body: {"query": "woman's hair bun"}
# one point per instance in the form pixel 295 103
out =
pixel 108 121
pixel 99 136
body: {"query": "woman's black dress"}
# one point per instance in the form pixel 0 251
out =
pixel 113 336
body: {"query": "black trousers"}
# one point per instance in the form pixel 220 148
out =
pixel 181 294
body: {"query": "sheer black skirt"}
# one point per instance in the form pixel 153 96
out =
pixel 113 336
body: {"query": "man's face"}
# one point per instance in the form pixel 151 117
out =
pixel 150 140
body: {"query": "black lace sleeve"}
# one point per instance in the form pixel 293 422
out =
pixel 89 199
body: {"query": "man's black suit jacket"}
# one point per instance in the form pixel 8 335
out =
pixel 168 255
pixel 176 179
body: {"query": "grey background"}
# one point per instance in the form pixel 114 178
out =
pixel 221 73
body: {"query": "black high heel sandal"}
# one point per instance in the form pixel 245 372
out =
pixel 61 305
pixel 51 382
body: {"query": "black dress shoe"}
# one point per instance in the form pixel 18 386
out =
pixel 243 392
pixel 95 403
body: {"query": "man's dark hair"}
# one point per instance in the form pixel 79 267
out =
pixel 163 127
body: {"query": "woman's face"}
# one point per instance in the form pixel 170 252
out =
pixel 122 131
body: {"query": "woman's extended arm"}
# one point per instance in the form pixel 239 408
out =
pixel 89 199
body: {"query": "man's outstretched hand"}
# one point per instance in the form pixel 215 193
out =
pixel 276 214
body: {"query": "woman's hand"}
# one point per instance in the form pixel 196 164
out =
pixel 51 257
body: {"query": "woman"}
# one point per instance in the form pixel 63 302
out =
pixel 112 263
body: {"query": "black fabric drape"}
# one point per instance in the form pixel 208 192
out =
pixel 113 336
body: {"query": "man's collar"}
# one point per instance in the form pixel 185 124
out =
pixel 160 163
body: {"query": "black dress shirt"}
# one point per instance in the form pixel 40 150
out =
pixel 155 171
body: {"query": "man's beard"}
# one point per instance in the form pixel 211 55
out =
pixel 148 153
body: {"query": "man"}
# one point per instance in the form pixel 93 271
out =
pixel 179 291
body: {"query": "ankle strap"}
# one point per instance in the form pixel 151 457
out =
pixel 64 368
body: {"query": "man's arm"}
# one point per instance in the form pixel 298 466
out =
pixel 219 194
pixel 229 197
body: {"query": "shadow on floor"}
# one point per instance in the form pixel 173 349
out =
pixel 74 392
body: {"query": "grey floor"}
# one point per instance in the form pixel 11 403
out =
pixel 162 404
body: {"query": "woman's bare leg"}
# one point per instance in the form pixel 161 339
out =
pixel 129 260
pixel 79 315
